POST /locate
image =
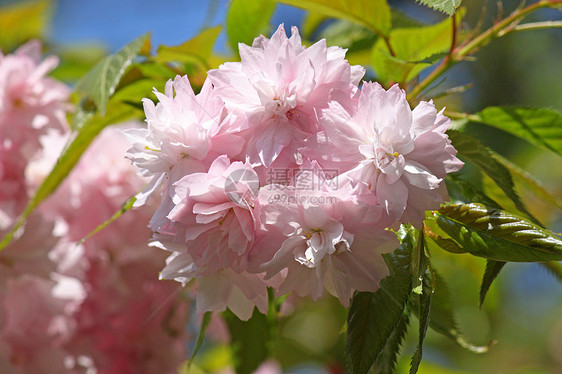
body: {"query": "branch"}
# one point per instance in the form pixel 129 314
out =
pixel 508 24
pixel 533 26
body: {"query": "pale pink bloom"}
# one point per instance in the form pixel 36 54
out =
pixel 213 212
pixel 29 251
pixel 30 102
pixel 13 186
pixel 276 90
pixel 330 240
pixel 184 135
pixel 30 105
pixel 216 289
pixel 129 322
pixel 209 230
pixel 240 292
pixel 34 326
pixel 99 184
pixel 398 154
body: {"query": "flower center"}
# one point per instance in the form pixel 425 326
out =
pixel 319 244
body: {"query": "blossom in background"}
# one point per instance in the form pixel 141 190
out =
pixel 67 308
pixel 126 321
pixel 33 323
pixel 31 104
pixel 33 326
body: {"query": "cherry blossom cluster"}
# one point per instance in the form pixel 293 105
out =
pixel 286 171
pixel 31 104
pixel 65 307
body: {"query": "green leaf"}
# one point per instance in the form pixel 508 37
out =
pixel 250 340
pixel 446 243
pixel 410 46
pixel 386 360
pixel 498 235
pixel 349 35
pixel 247 19
pixel 493 268
pixel 446 6
pixel 76 61
pixel 419 264
pixel 311 23
pixel 542 127
pixel 442 317
pixel 197 50
pixel 22 21
pixel 470 192
pixel 373 316
pixel 100 82
pixel 472 149
pixel 401 20
pixel 373 14
pixel 155 71
pixel 134 92
pixel 528 180
pixel 117 112
pixel 423 300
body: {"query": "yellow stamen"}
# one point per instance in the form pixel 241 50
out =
pixel 150 149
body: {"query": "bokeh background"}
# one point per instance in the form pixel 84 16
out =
pixel 523 312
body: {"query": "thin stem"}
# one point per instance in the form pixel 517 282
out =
pixel 388 45
pixel 533 26
pixel 508 24
pixel 453 90
pixel 448 61
pixel 459 115
pixel 454 36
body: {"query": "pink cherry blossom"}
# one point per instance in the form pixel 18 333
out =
pixel 129 321
pixel 30 105
pixel 399 155
pixel 330 240
pixel 34 326
pixel 292 111
pixel 276 90
pixel 209 231
pixel 126 320
pixel 183 135
pixel 13 186
pixel 29 252
pixel 28 98
pixel 214 211
pixel 101 182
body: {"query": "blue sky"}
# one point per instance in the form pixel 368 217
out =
pixel 117 22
